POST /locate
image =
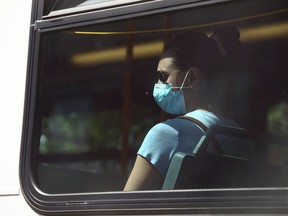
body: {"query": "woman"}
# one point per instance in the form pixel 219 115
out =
pixel 192 81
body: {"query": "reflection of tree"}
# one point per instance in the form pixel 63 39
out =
pixel 278 120
pixel 84 132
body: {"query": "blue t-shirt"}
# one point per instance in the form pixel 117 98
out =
pixel 181 135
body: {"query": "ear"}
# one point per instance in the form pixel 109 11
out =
pixel 194 77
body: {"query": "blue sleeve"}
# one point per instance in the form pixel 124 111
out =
pixel 159 145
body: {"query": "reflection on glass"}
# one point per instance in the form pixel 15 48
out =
pixel 278 120
pixel 95 101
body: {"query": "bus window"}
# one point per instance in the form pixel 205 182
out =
pixel 92 95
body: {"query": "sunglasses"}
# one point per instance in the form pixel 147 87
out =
pixel 162 77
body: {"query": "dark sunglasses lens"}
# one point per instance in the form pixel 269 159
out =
pixel 161 77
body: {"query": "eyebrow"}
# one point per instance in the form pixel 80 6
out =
pixel 162 71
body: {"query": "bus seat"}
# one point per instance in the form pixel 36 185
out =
pixel 201 169
pixel 188 171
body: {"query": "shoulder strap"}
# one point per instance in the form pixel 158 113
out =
pixel 205 128
pixel 196 121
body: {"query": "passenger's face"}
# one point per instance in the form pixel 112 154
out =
pixel 168 71
pixel 170 74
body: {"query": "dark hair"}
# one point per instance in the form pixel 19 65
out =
pixel 228 39
pixel 194 49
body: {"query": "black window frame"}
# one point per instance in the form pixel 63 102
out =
pixel 256 200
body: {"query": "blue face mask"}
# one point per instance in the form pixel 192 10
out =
pixel 172 102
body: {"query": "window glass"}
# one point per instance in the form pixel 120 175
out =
pixel 95 92
pixel 95 103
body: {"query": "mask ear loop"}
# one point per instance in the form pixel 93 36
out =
pixel 181 87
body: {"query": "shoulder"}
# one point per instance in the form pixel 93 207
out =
pixel 165 134
pixel 166 128
pixel 171 126
pixel 171 131
pixel 209 119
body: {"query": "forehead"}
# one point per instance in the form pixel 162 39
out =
pixel 167 65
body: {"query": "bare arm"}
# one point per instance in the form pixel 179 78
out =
pixel 143 176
